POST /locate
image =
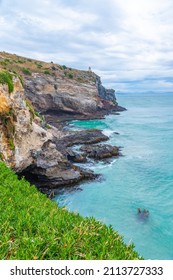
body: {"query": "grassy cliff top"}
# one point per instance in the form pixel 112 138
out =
pixel 25 66
pixel 33 227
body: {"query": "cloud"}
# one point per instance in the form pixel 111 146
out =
pixel 123 41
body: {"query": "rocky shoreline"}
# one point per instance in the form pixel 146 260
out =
pixel 33 141
pixel 47 175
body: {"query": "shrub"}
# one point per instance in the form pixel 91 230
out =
pixel 3 63
pixel 26 71
pixel 39 65
pixel 70 75
pixel 20 61
pixel 64 67
pixel 47 72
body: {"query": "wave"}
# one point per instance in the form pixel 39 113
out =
pixel 109 132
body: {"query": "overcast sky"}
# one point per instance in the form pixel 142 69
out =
pixel 129 43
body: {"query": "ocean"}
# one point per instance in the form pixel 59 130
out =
pixel 141 178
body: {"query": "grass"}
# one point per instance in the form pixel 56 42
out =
pixel 11 144
pixel 33 227
pixel 23 67
pixel 7 78
pixel 7 121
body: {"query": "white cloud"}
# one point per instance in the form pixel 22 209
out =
pixel 123 40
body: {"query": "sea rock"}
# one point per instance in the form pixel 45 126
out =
pixel 100 151
pixel 75 157
pixel 88 136
pixel 106 94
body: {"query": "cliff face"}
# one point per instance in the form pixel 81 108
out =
pixel 27 143
pixel 52 95
pixel 19 134
pixel 60 98
pixel 29 148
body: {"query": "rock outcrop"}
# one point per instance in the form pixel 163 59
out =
pixel 19 134
pixel 100 151
pixel 38 150
pixel 60 98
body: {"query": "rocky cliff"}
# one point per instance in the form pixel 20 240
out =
pixel 62 98
pixel 35 94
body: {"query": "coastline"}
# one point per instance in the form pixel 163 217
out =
pixel 43 153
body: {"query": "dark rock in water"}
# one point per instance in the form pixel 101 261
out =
pixel 88 136
pixel 75 157
pixel 54 177
pixel 100 151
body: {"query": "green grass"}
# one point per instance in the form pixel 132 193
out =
pixel 7 78
pixel 11 143
pixel 33 227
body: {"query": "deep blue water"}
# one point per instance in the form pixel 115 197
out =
pixel 142 177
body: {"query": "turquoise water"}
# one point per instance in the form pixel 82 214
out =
pixel 142 177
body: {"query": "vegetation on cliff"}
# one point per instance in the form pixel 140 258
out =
pixel 33 227
pixel 26 66
pixel 7 78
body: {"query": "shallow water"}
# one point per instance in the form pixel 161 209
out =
pixel 142 177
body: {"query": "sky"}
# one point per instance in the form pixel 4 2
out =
pixel 129 43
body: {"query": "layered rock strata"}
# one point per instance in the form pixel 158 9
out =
pixel 60 99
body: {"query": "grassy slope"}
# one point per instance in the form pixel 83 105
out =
pixel 26 66
pixel 33 227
